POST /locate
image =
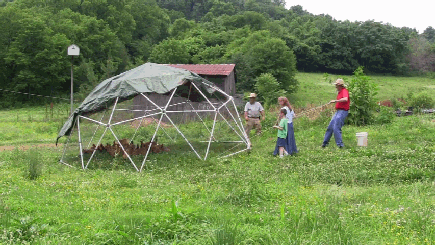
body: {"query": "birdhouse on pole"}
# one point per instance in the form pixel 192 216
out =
pixel 74 50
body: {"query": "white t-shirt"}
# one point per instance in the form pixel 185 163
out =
pixel 253 109
pixel 290 114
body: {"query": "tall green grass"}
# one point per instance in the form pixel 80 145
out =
pixel 381 194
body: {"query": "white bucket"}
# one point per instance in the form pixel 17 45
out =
pixel 362 138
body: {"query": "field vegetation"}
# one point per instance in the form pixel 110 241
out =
pixel 382 194
pixel 315 89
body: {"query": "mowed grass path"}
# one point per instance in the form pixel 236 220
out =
pixel 313 89
pixel 382 194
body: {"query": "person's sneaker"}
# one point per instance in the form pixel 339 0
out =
pixel 281 156
pixel 285 153
pixel 341 146
pixel 323 145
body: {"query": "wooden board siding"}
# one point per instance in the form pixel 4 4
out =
pixel 140 103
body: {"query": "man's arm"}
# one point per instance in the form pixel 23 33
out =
pixel 262 114
pixel 344 99
pixel 246 115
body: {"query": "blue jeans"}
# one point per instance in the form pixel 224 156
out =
pixel 335 128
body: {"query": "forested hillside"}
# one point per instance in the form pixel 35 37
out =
pixel 260 36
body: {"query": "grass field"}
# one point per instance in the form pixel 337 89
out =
pixel 381 194
pixel 315 90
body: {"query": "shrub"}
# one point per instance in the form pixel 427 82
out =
pixel 385 115
pixel 421 100
pixel 397 103
pixel 362 96
pixel 268 88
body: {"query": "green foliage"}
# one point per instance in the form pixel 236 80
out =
pixel 357 195
pixel 268 88
pixel 227 234
pixel 421 100
pixel 181 27
pixel 260 53
pixel 429 34
pixel 259 36
pixel 170 51
pixel 34 170
pixel 385 115
pixel 362 92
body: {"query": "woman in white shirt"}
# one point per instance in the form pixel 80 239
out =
pixel 291 142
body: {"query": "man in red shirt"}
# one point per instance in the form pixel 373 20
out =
pixel 342 106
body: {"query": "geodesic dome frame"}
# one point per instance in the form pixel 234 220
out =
pixel 198 90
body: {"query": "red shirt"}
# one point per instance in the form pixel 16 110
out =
pixel 343 105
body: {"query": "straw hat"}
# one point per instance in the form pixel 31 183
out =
pixel 252 95
pixel 340 82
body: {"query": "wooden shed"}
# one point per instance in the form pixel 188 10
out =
pixel 223 75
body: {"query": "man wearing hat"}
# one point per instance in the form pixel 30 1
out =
pixel 342 104
pixel 253 112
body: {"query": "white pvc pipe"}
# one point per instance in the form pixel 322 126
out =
pixel 122 147
pixel 158 107
pixel 232 154
pixel 183 136
pixel 90 141
pixel 244 132
pixel 99 141
pixel 237 123
pixel 190 111
pixel 199 90
pixel 136 118
pixel 152 140
pixel 200 118
pixel 170 98
pixel 80 143
pixel 211 136
pixel 64 163
pixel 113 110
pixel 231 126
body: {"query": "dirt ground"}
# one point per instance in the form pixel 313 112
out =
pixel 27 147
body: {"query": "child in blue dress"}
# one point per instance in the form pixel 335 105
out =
pixel 282 127
pixel 291 142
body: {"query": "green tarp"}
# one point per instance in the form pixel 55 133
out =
pixel 147 78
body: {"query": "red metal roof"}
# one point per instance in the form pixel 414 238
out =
pixel 207 69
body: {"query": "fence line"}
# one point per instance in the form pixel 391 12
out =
pixel 38 95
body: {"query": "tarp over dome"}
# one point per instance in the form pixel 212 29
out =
pixel 147 78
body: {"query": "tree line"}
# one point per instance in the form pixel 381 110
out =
pixel 260 36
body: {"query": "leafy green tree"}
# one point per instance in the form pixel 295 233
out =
pixel 220 8
pixel 421 55
pixel 303 37
pixel 268 88
pixel 180 27
pixel 335 38
pixel 37 57
pixel 209 55
pixel 260 53
pixel 254 20
pixel 429 34
pixel 170 51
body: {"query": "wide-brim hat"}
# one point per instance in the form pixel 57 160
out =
pixel 340 82
pixel 252 95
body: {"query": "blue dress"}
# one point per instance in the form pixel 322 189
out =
pixel 290 146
